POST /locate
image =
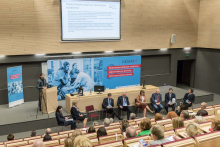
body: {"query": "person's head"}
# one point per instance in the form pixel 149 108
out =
pixel 66 66
pixel 158 91
pixel 109 95
pixel 203 105
pixel 82 141
pixel 202 112
pixel 59 109
pixel 184 114
pixel 74 103
pixel 111 120
pixel 68 142
pixel 42 76
pixel 193 129
pixel 170 90
pixel 132 116
pixel 106 122
pixel 171 115
pixel 124 94
pixel 177 122
pixel 142 93
pixel 38 143
pixel 101 132
pixel 190 90
pixel 33 133
pixel 48 131
pixel 124 127
pixel 47 137
pixel 76 133
pixel 130 132
pixel 215 123
pixel 199 119
pixel 91 129
pixel 10 137
pixel 157 132
pixel 145 124
pixel 158 116
pixel 74 66
pixel 183 107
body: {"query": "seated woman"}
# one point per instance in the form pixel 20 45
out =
pixel 144 126
pixel 177 122
pixel 199 119
pixel 123 125
pixel 91 129
pixel 76 114
pixel 141 102
pixel 215 123
pixel 68 142
pixel 101 132
pixel 193 129
pixel 62 121
pixel 171 115
pixel 158 116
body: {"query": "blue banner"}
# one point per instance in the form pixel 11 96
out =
pixel 112 72
pixel 15 86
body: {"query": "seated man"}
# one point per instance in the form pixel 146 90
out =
pixel 184 115
pixel 189 98
pixel 169 102
pixel 123 104
pixel 108 104
pixel 202 106
pixel 156 99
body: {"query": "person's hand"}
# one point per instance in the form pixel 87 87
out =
pixel 81 115
pixel 170 104
pixel 108 107
pixel 44 87
pixel 189 102
pixel 141 145
pixel 129 105
pixel 178 107
pixel 66 118
pixel 121 107
pixel 176 137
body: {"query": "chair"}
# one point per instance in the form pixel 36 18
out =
pixel 111 144
pixel 205 126
pixel 186 142
pixel 30 138
pixel 135 139
pixel 114 123
pixel 110 138
pixel 90 109
pixel 59 136
pixel 186 122
pixel 168 127
pixel 164 121
pixel 217 105
pixel 113 131
pixel 94 141
pixel 169 133
pixel 180 132
pixel 191 106
pixel 51 143
pixel 216 110
pixel 112 127
pixel 66 132
pixel 19 143
pixel 211 139
pixel 62 140
pixel 211 111
pixel 11 141
pixel 33 140
pixel 91 135
pixel 209 117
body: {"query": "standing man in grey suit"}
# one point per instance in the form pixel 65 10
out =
pixel 124 104
pixel 156 100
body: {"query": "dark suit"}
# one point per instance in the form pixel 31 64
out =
pixel 190 98
pixel 40 85
pixel 125 108
pixel 111 110
pixel 154 100
pixel 62 122
pixel 167 99
pixel 76 114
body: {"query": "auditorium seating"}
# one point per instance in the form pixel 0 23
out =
pixel 135 139
pixel 51 143
pixel 186 142
pixel 186 122
pixel 211 111
pixel 216 109
pixel 94 141
pixel 168 127
pixel 31 138
pixel 110 138
pixel 113 131
pixel 18 143
pixel 59 136
pixel 181 132
pixel 163 121
pixel 217 105
pixel 91 135
pixel 209 117
pixel 168 133
pixel 66 132
pixel 112 144
pixel 211 139
pixel 205 126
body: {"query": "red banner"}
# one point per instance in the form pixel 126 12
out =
pixel 14 76
pixel 124 66
pixel 119 71
pixel 120 75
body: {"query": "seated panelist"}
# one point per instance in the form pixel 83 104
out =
pixel 170 100
pixel 124 104
pixel 108 104
pixel 189 98
pixel 156 100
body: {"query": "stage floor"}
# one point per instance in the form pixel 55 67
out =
pixel 23 117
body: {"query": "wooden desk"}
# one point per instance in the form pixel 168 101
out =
pixel 97 99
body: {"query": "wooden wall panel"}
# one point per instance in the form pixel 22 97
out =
pixel 209 24
pixel 34 26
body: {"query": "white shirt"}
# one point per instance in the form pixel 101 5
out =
pixel 142 98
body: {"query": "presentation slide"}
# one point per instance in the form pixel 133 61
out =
pixel 90 20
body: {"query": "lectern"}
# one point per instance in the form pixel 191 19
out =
pixel 49 101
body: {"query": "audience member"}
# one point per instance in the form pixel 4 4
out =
pixel 82 141
pixel 38 143
pixel 111 120
pixel 184 115
pixel 132 116
pixel 91 129
pixel 157 134
pixel 124 127
pixel 76 133
pixel 215 123
pixel 68 142
pixel 156 100
pixel 47 137
pixel 144 126
pixel 106 122
pixel 130 132
pixel 193 129
pixel 10 137
pixel 177 122
pixel 199 119
pixel 33 133
pixel 101 132
pixel 158 116
pixel 171 115
pixel 202 112
pixel 180 109
pixel 203 105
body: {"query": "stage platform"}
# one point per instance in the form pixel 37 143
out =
pixel 23 117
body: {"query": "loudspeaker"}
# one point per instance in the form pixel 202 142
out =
pixel 173 38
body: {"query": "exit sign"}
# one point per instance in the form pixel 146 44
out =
pixel 187 54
